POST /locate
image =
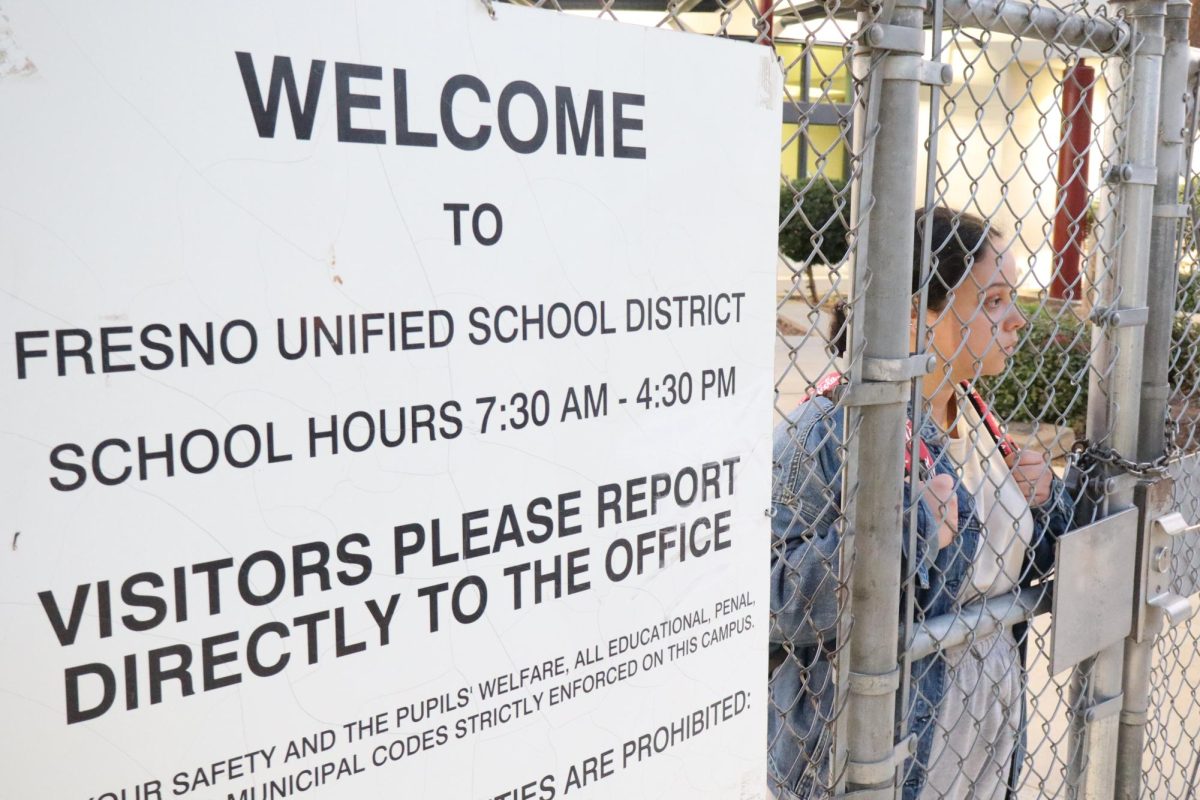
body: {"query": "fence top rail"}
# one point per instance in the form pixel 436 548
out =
pixel 1102 34
pixel 1105 35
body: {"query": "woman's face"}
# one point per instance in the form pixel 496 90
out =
pixel 979 327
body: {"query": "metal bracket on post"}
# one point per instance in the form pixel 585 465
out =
pixel 885 380
pixel 1172 138
pixel 1171 211
pixel 870 394
pixel 1101 723
pixel 883 771
pixel 1120 317
pixel 1105 709
pixel 881 793
pixel 862 683
pixel 1150 45
pixel 897 370
pixel 1134 717
pixel 879 772
pixel 1137 174
pixel 897 38
pixel 915 68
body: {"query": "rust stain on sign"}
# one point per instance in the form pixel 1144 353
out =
pixel 337 279
pixel 13 61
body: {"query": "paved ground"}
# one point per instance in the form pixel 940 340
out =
pixel 1170 754
pixel 801 358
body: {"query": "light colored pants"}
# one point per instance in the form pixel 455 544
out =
pixel 978 722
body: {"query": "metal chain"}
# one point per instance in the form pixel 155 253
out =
pixel 1088 451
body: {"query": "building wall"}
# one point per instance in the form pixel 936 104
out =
pixel 999 133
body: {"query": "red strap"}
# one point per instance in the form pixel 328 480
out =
pixel 826 385
pixel 922 452
pixel 1004 442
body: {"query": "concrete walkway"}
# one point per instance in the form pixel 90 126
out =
pixel 801 359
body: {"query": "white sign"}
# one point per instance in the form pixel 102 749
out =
pixel 385 402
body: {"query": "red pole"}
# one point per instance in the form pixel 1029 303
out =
pixel 1070 221
pixel 767 13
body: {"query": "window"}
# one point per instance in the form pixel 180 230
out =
pixel 817 114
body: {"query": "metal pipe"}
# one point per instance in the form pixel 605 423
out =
pixel 1042 22
pixel 1165 232
pixel 1134 706
pixel 979 619
pixel 1045 23
pixel 918 400
pixel 868 74
pixel 1094 730
pixel 1160 298
pixel 876 452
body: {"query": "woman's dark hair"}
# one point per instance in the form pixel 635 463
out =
pixel 956 238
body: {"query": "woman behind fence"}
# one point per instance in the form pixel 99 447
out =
pixel 987 519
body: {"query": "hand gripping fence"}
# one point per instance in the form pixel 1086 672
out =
pixel 1006 194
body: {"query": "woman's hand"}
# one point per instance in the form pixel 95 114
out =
pixel 1032 473
pixel 940 495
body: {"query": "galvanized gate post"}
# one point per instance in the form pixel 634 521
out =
pixel 1115 397
pixel 878 395
pixel 1160 298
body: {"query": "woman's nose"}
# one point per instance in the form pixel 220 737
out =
pixel 1016 320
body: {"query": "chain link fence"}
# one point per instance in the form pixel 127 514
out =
pixel 988 352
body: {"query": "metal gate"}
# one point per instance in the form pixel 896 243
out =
pixel 1055 659
pixel 982 589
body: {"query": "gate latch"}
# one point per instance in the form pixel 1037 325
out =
pixel 1176 608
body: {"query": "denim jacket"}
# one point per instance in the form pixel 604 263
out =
pixel 806 503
